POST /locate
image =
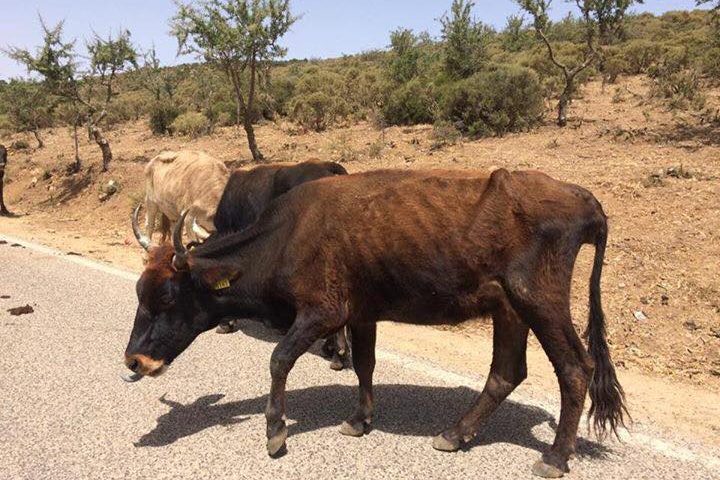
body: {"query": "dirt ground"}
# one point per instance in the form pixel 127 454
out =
pixel 661 283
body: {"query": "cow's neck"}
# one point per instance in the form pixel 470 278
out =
pixel 250 260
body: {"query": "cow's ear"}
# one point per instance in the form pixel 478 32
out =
pixel 217 278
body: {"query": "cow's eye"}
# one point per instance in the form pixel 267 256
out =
pixel 168 295
pixel 167 298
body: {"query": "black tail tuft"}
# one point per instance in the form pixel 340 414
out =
pixel 607 397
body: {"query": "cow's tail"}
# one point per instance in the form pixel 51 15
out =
pixel 607 407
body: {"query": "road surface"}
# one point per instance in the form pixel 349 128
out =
pixel 65 413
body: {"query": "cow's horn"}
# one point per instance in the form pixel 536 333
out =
pixel 142 239
pixel 201 233
pixel 181 253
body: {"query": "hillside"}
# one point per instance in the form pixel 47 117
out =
pixel 656 173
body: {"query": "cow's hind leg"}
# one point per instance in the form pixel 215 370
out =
pixel 363 356
pixel 573 367
pixel 507 371
pixel 307 328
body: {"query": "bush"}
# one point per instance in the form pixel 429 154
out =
pixel 20 145
pixel 640 55
pixel 319 99
pixel 193 124
pixel 681 89
pixel 506 99
pixel 410 104
pixel 443 134
pixel 162 115
pixel 317 110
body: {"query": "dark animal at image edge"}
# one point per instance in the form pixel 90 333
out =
pixel 426 247
pixel 3 162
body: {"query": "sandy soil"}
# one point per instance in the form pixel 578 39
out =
pixel 663 252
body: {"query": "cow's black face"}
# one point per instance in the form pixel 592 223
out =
pixel 169 317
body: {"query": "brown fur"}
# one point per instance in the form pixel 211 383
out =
pixel 425 247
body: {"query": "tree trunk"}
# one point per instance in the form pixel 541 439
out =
pixel 564 101
pixel 3 160
pixel 562 110
pixel 252 143
pixel 41 144
pixel 104 147
pixel 238 110
pixel 257 155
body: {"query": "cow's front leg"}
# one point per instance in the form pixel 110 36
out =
pixel 305 331
pixel 363 356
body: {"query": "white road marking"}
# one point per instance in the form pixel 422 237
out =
pixel 661 446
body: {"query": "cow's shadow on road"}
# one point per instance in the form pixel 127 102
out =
pixel 400 409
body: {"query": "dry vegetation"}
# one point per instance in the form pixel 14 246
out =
pixel 656 172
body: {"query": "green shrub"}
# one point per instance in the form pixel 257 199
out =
pixel 443 134
pixel 318 110
pixel 162 115
pixel 494 102
pixel 224 119
pixel 20 145
pixel 319 99
pixel 5 124
pixel 680 89
pixel 410 104
pixel 640 55
pixel 193 124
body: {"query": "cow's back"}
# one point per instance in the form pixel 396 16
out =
pixel 426 239
pixel 188 179
pixel 249 192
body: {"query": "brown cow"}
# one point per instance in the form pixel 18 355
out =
pixel 186 180
pixel 425 247
pixel 3 161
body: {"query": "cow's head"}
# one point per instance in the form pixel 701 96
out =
pixel 175 305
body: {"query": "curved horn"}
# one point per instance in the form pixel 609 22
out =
pixel 142 239
pixel 199 231
pixel 181 253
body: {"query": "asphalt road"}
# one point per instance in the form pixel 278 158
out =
pixel 65 413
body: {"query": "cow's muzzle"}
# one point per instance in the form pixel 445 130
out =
pixel 142 366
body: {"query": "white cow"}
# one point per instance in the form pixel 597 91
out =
pixel 176 181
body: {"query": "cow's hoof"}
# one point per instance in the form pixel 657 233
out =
pixel 542 469
pixel 228 327
pixel 444 445
pixel 276 443
pixel 353 429
pixel 224 328
pixel 337 364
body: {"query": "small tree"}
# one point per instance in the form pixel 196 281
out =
pixel 606 19
pixel 239 37
pixel 403 65
pixel 91 92
pixel 602 22
pixel 538 10
pixel 160 82
pixel 465 40
pixel 515 36
pixel 29 107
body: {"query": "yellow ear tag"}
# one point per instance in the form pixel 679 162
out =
pixel 224 283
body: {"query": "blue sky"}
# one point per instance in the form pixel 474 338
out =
pixel 328 28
